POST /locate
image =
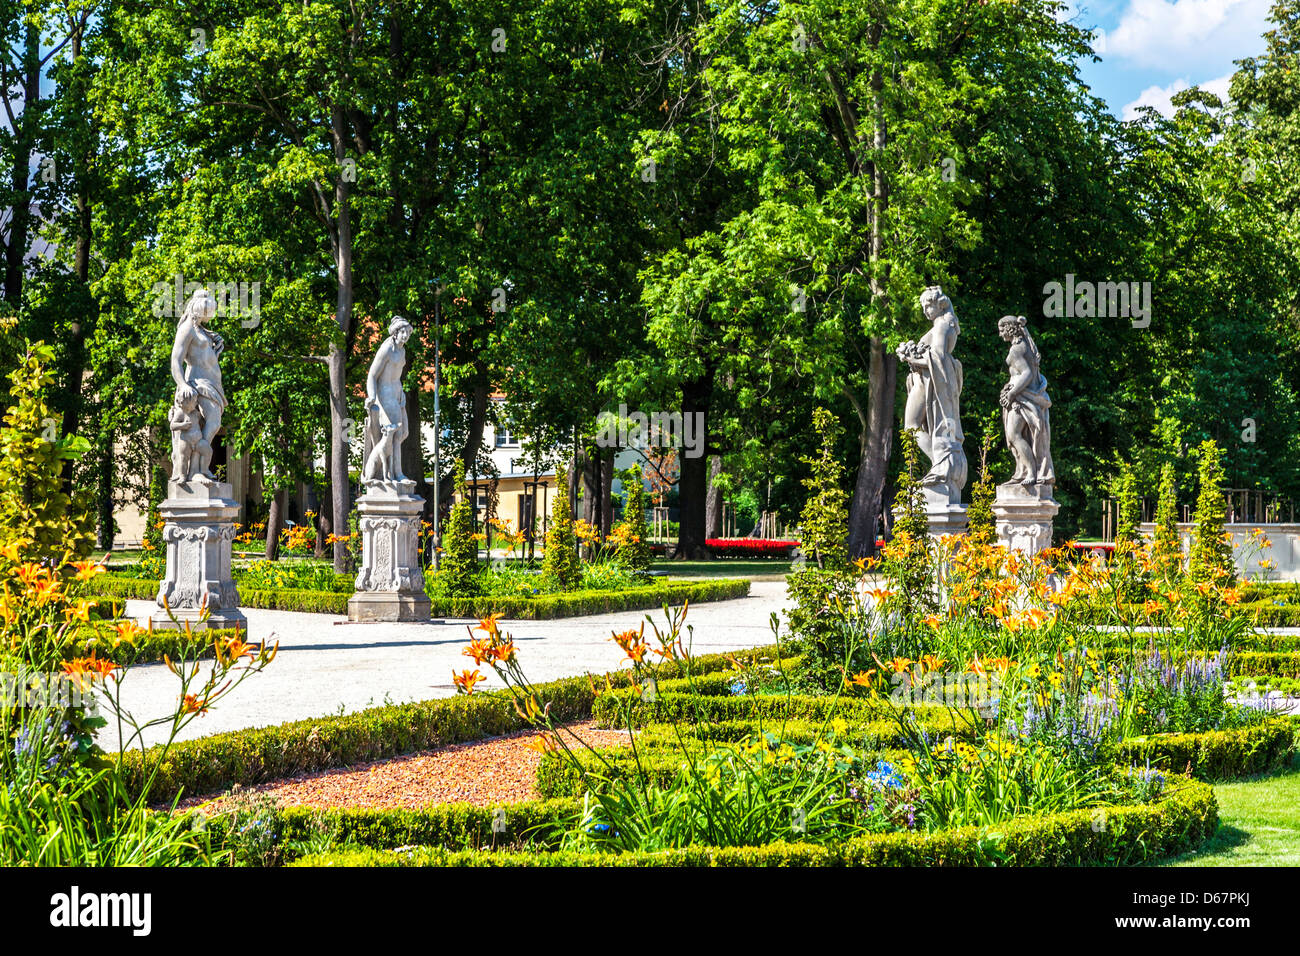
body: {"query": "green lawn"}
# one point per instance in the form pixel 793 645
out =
pixel 1259 824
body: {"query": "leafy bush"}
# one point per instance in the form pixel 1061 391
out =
pixel 458 570
pixel 824 521
pixel 631 537
pixel 34 507
pixel 1167 546
pixel 292 575
pixel 1211 554
pixel 561 565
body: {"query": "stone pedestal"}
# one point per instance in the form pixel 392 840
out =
pixel 199 526
pixel 945 515
pixel 390 584
pixel 1024 516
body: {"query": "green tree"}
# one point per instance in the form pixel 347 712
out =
pixel 634 545
pixel 458 565
pixel 1211 558
pixel 34 506
pixel 824 522
pixel 561 565
pixel 1167 546
pixel 982 526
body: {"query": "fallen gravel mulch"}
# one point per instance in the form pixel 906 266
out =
pixel 485 773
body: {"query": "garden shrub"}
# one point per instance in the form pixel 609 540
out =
pixel 632 538
pixel 1216 754
pixel 458 566
pixel 1167 545
pixel 34 507
pixel 824 521
pixel 981 524
pixel 1211 554
pixel 561 565
pixel 540 607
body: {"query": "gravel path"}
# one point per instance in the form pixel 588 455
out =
pixel 328 666
pixel 486 773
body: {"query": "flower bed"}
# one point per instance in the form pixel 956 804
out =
pixel 245 757
pixel 751 547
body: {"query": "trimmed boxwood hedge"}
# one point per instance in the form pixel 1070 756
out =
pixel 1217 754
pixel 543 607
pixel 1181 821
pixel 150 646
pixel 533 824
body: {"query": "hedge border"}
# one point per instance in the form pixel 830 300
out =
pixel 1181 821
pixel 544 607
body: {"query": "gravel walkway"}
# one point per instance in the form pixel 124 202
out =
pixel 486 773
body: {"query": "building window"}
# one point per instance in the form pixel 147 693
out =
pixel 504 439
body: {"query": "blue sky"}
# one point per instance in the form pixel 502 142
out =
pixel 1151 49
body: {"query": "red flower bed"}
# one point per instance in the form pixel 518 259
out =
pixel 751 547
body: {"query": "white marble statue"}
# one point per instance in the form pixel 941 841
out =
pixel 1025 416
pixel 386 423
pixel 933 410
pixel 195 415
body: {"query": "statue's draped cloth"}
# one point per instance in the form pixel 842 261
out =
pixel 1028 414
pixel 942 387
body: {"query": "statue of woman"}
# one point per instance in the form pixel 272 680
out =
pixel 934 383
pixel 386 425
pixel 1025 405
pixel 198 388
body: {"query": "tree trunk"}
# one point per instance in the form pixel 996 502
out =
pixel 20 212
pixel 340 482
pixel 606 492
pixel 75 367
pixel 413 448
pixel 875 440
pixel 105 531
pixel 713 504
pixel 324 505
pixel 693 484
pixel 275 523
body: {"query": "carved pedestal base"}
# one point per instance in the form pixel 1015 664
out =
pixel 1024 515
pixel 199 526
pixel 945 516
pixel 390 584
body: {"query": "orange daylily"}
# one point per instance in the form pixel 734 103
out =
pixel 466 680
pixel 478 649
pixel 88 670
pixel 87 569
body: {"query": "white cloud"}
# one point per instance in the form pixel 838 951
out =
pixel 1170 35
pixel 1159 96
